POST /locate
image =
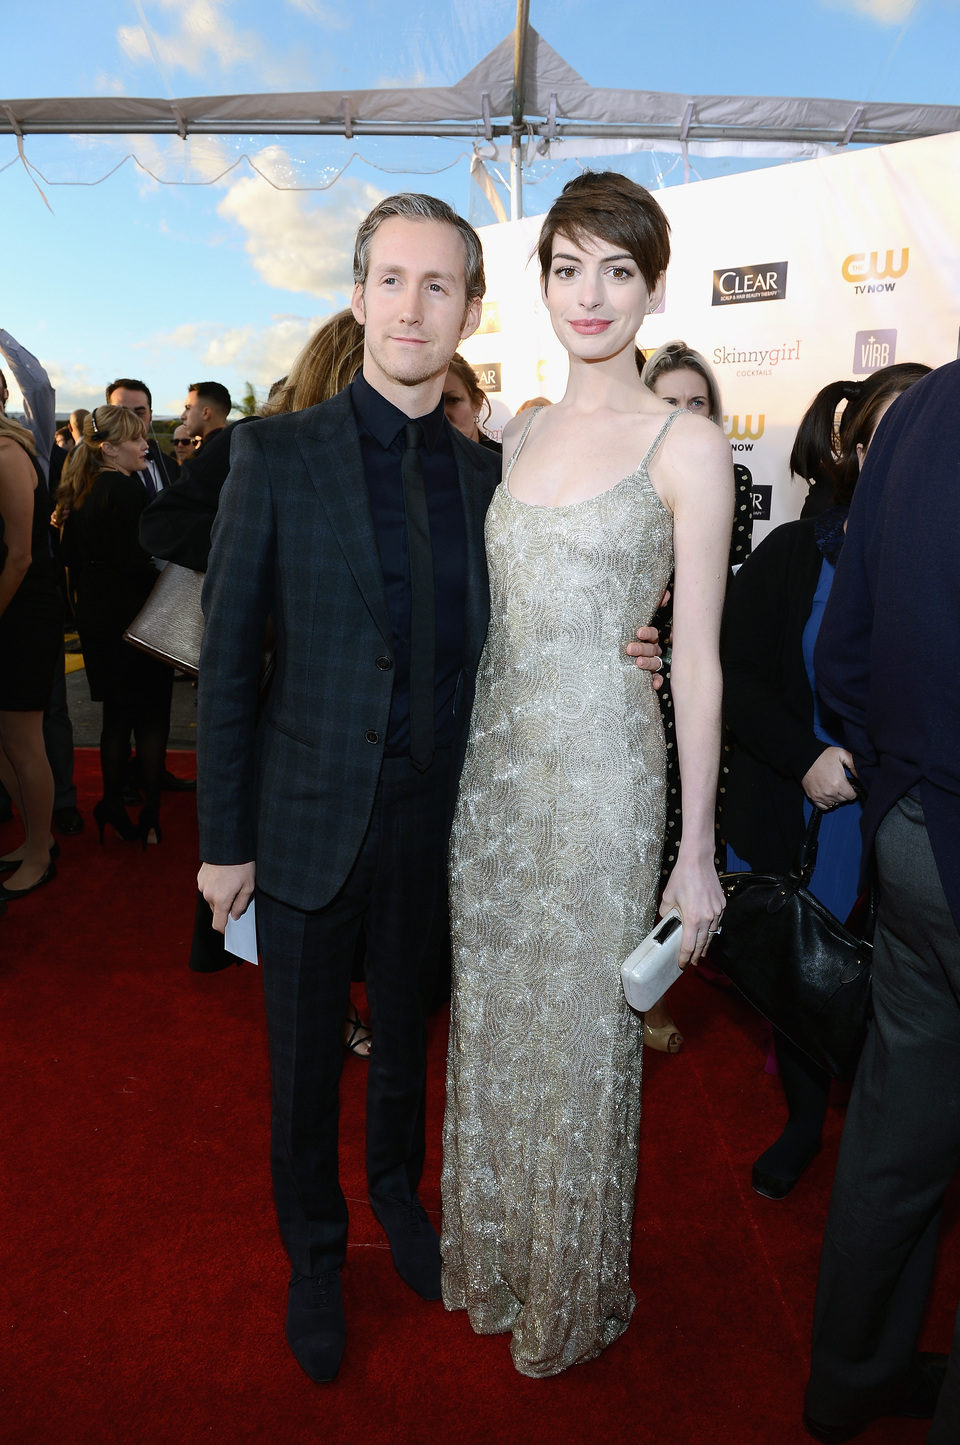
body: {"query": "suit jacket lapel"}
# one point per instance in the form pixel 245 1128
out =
pixel 331 453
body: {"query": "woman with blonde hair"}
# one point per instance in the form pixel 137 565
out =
pixel 99 503
pixel 329 362
pixel 31 631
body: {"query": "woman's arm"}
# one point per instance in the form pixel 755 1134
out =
pixel 18 481
pixel 696 481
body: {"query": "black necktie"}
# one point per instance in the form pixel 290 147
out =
pixel 149 481
pixel 422 622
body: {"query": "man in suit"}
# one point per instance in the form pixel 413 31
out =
pixel 898 576
pixel 159 469
pixel 205 410
pixel 346 827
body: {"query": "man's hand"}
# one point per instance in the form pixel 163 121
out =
pixel 228 888
pixel 826 784
pixel 646 652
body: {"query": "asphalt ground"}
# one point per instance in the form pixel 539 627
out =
pixel 85 715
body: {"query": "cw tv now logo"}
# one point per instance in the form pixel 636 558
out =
pixel 871 271
pixel 742 432
pixel 873 349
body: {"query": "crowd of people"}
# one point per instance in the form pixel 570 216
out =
pixel 507 685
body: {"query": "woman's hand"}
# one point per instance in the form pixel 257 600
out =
pixel 826 784
pixel 694 890
pixel 646 653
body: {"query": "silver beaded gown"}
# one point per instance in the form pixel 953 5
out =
pixel 554 868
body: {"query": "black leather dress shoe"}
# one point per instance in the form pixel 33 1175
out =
pixel 9 894
pixel 316 1327
pixel 68 821
pixel 920 1403
pixel 772 1187
pixel 413 1244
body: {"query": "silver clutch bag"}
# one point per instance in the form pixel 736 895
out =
pixel 652 966
pixel 169 625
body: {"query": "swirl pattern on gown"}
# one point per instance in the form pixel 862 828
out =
pixel 554 870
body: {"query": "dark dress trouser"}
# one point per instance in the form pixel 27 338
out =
pixel 395 892
pixel 900 1149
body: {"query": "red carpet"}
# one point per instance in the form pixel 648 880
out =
pixel 143 1284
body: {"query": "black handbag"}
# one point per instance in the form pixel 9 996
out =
pixel 795 962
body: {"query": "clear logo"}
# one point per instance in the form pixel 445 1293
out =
pixel 766 281
pixel 489 376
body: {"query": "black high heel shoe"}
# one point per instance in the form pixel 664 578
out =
pixel 149 823
pixel 119 819
pixel 8 864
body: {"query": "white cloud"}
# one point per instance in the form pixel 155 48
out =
pixel 325 15
pixel 294 242
pixel 258 354
pixel 885 12
pixel 74 386
pixel 202 34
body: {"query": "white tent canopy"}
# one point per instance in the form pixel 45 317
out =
pixel 542 98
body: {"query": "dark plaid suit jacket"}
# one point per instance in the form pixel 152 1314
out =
pixel 293 787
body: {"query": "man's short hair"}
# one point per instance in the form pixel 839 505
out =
pixel 129 383
pixel 413 207
pixel 213 393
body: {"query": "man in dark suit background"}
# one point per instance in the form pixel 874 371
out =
pixel 898 577
pixel 323 797
pixel 160 469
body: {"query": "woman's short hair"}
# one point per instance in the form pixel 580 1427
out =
pixel 678 356
pixel 611 206
pixel 467 377
pixel 411 206
pixel 329 362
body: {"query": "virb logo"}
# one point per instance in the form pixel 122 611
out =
pixel 872 271
pixel 873 349
pixel 742 432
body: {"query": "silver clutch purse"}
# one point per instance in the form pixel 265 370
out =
pixel 169 625
pixel 652 966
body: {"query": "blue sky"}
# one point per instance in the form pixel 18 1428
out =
pixel 179 283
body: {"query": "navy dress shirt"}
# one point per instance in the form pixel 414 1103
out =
pixel 381 428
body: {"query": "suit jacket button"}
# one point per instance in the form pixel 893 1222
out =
pixel 384 664
pixel 371 736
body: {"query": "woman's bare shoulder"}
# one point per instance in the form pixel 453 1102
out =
pixel 15 459
pixel 514 427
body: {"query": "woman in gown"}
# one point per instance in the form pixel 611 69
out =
pixel 556 848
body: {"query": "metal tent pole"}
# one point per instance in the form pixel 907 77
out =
pixel 519 100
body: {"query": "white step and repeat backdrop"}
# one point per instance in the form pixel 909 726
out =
pixel 785 279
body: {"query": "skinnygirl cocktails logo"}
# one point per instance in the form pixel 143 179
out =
pixel 766 281
pixel 757 361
